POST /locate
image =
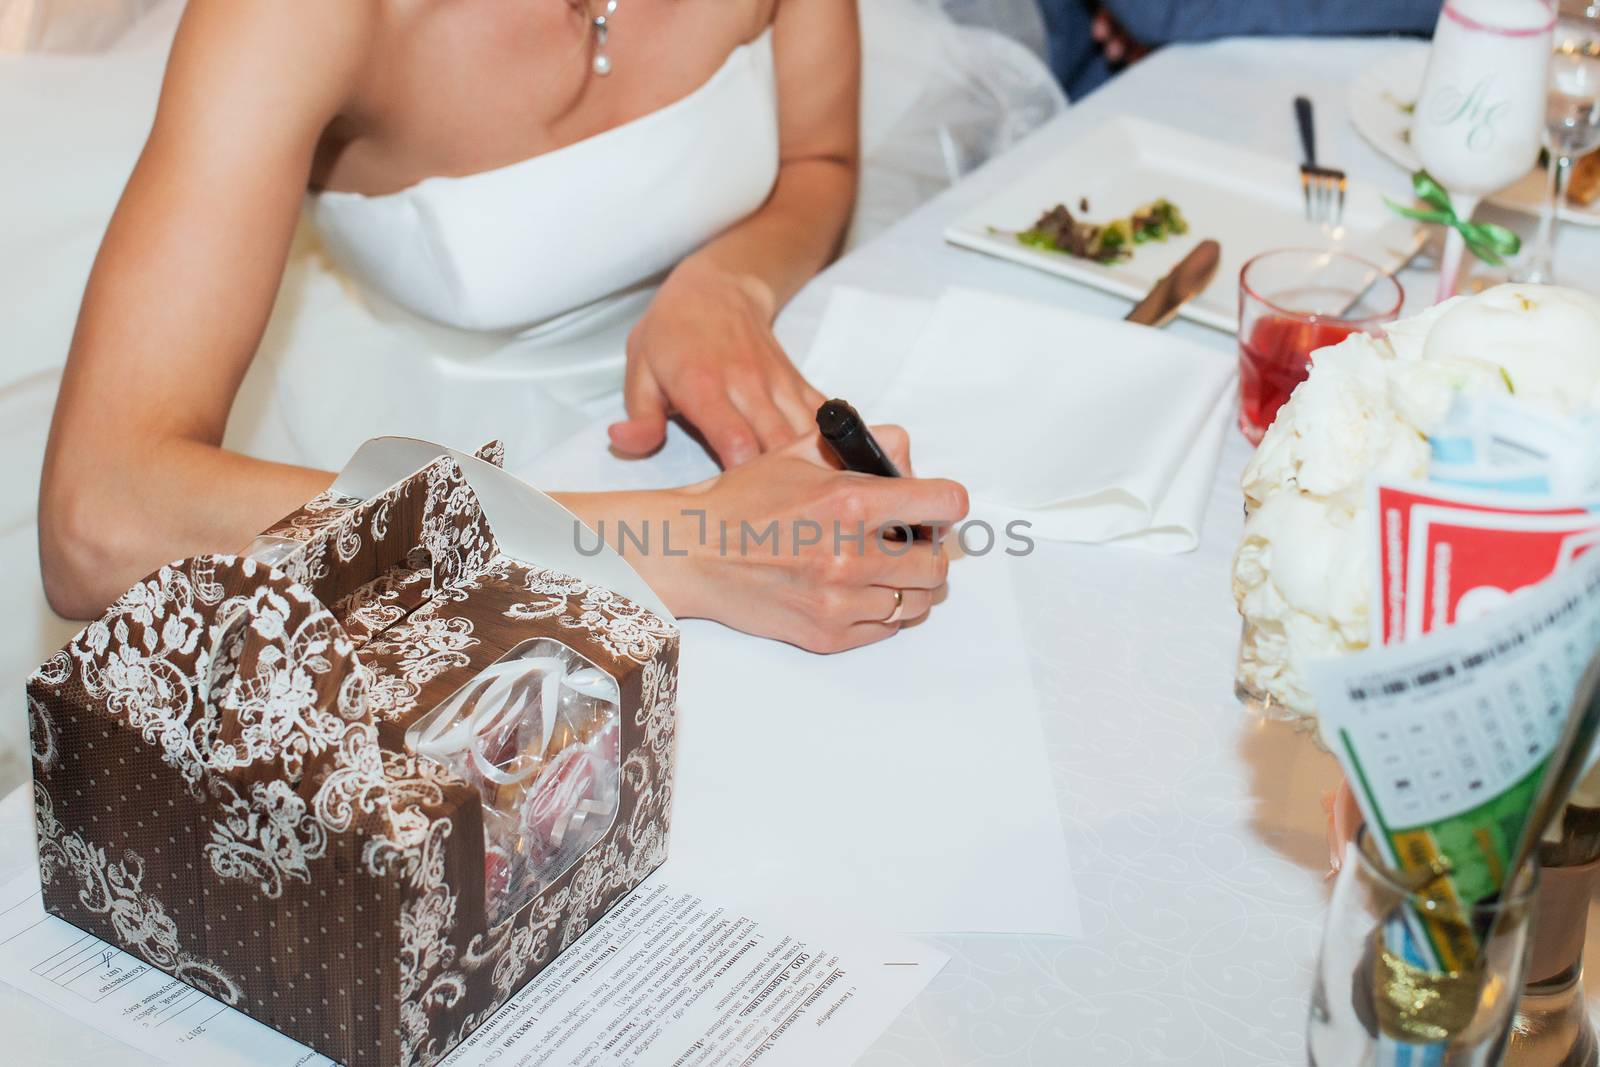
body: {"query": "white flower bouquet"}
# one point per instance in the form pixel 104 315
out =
pixel 1302 576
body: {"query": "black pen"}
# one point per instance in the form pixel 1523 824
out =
pixel 847 435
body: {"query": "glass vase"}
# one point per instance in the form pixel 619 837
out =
pixel 1374 1005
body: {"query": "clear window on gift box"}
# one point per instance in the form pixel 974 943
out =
pixel 538 734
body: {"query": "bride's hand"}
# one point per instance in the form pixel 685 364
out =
pixel 836 592
pixel 705 350
pixel 787 546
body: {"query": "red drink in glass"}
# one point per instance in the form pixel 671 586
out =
pixel 1273 359
pixel 1291 303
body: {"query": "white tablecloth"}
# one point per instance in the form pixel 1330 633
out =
pixel 1195 834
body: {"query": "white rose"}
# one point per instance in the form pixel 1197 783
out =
pixel 1421 393
pixel 1337 428
pixel 1540 341
pixel 1302 573
pixel 1408 337
pixel 1311 552
pixel 1299 578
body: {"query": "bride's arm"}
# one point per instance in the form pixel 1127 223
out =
pixel 180 292
pixel 705 348
pixel 798 230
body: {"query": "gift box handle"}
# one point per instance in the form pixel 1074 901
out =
pixel 277 684
pixel 434 510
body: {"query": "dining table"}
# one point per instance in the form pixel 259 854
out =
pixel 1194 828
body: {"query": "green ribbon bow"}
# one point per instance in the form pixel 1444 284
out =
pixel 1487 241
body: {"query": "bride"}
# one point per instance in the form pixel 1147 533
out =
pixel 494 165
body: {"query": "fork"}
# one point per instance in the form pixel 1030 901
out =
pixel 1322 187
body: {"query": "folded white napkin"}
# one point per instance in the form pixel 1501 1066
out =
pixel 1090 429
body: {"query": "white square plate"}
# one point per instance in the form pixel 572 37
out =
pixel 1251 203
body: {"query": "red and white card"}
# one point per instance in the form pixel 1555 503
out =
pixel 1447 553
pixel 1463 564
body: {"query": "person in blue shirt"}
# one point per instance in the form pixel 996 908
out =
pixel 1090 40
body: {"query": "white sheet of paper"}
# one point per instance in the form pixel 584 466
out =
pixel 1091 429
pixel 728 988
pixel 121 995
pixel 903 785
pixel 677 979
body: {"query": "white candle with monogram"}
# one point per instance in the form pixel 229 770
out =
pixel 1480 113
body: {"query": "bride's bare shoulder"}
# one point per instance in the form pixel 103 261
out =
pixel 287 46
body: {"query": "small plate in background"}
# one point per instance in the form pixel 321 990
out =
pixel 1249 202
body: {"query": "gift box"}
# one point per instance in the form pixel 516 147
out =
pixel 367 779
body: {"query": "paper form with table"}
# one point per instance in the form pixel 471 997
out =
pixel 667 977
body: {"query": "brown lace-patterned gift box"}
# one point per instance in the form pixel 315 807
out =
pixel 368 779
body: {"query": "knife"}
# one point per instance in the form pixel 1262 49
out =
pixel 1186 281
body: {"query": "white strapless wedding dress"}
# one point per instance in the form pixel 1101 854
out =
pixel 519 246
pixel 499 304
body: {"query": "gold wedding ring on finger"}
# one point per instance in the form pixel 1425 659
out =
pixel 899 608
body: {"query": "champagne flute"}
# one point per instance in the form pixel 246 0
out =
pixel 1479 115
pixel 1572 120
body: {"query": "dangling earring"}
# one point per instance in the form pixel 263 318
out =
pixel 601 25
